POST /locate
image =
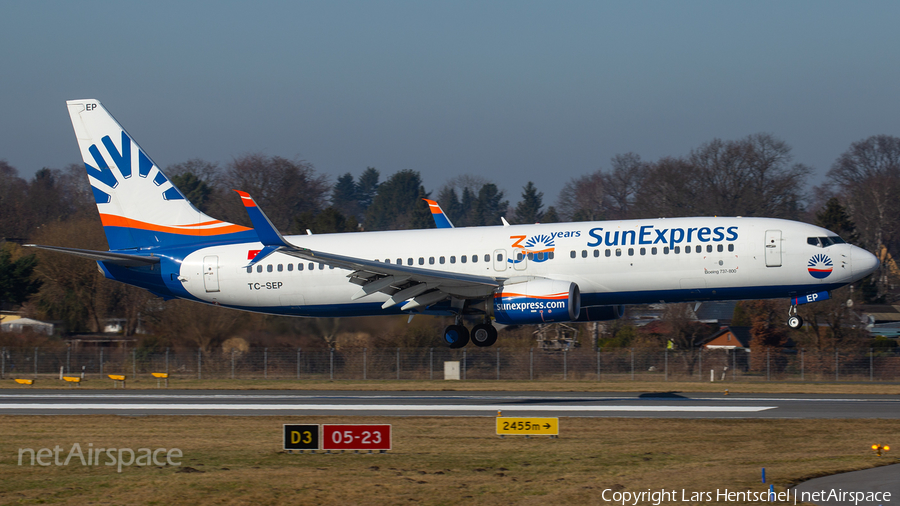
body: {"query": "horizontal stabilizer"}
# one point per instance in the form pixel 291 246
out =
pixel 122 259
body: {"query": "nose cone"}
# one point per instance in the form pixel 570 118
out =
pixel 864 263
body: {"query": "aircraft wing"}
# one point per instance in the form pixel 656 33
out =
pixel 420 287
pixel 123 259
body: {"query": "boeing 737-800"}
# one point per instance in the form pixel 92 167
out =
pixel 519 274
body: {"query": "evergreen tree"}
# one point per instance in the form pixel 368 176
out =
pixel 529 209
pixel 395 205
pixel 344 196
pixel 833 217
pixel 489 206
pixel 17 281
pixel 367 188
pixel 467 206
pixel 551 216
pixel 193 188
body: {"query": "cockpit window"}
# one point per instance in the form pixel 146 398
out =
pixel 824 242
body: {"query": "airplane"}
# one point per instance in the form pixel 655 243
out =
pixel 505 274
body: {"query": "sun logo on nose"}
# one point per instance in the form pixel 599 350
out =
pixel 820 266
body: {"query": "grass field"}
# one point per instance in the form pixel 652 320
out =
pixel 485 385
pixel 435 460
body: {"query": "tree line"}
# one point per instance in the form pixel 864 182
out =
pixel 752 176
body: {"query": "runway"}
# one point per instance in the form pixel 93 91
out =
pixel 361 403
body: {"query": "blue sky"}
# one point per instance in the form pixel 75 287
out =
pixel 512 91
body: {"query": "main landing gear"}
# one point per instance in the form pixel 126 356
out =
pixel 794 320
pixel 457 336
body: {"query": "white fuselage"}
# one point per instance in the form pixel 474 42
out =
pixel 612 262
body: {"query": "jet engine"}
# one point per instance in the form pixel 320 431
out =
pixel 537 301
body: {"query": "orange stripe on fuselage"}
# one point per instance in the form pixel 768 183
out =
pixel 110 220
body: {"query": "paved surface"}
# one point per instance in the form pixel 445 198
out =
pixel 269 402
pixel 880 480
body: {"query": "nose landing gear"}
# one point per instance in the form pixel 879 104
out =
pixel 794 320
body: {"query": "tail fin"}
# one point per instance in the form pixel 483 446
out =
pixel 138 205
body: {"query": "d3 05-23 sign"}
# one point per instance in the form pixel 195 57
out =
pixel 356 437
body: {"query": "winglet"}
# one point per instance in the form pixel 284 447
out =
pixel 268 235
pixel 440 219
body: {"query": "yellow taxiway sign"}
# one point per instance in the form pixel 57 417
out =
pixel 508 425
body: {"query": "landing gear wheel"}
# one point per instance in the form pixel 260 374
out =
pixel 456 336
pixel 795 322
pixel 484 334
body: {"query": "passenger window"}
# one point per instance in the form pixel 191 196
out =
pixel 643 251
pixel 618 252
pixel 321 267
pixel 409 261
pixel 709 248
pixel 499 257
pixel 387 260
pixel 665 250
pixel 596 253
pixel 551 255
pixel 249 269
pixel 441 260
pixel 290 267
pixel 653 250
pixel 520 256
pixel 719 248
pixel 430 260
pixel 421 261
pixel 487 257
pixel 584 253
pixel 608 252
pixel 331 267
pixel 312 266
pixel 258 267
pixel 687 249
pixel 631 252
pixel 530 255
pixel 299 267
pixel 572 254
pixel 677 249
pixel 280 268
pixel 452 259
pixel 474 258
pixel 463 258
pixel 731 247
pixel 269 268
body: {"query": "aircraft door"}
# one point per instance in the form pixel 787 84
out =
pixel 520 259
pixel 773 248
pixel 211 273
pixel 500 260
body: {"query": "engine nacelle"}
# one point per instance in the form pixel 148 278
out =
pixel 538 301
pixel 601 313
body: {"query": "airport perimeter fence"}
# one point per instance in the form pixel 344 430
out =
pixel 495 363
